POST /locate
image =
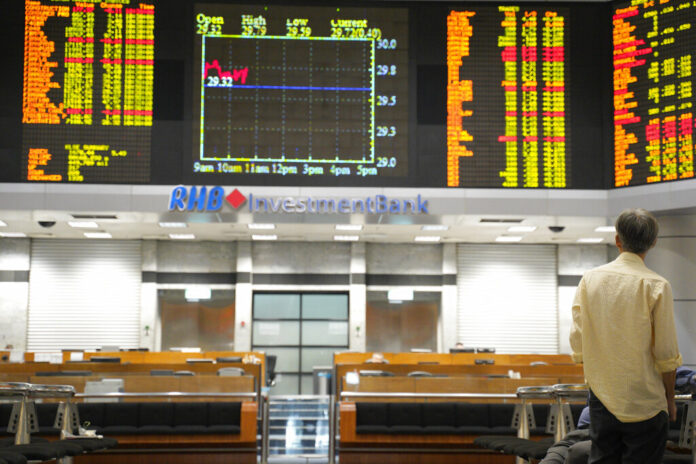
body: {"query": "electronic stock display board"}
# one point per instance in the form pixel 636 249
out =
pixel 87 91
pixel 301 92
pixel 508 97
pixel 282 93
pixel 317 91
pixel 654 113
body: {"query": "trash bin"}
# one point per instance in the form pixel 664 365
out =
pixel 322 380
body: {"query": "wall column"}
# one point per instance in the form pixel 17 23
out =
pixel 447 329
pixel 15 259
pixel 243 298
pixel 357 298
pixel 674 258
pixel 150 320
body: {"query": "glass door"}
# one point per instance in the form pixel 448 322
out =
pixel 303 330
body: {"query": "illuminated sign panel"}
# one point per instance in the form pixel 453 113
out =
pixel 88 91
pixel 653 43
pixel 301 91
pixel 198 198
pixel 507 97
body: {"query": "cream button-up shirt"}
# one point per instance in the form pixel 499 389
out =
pixel 623 332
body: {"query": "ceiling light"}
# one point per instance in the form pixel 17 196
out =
pixel 173 225
pixel 94 216
pixel 605 229
pixel 198 293
pixel 3 223
pixel 347 238
pixel 432 227
pixel 254 226
pixel 83 224
pixel 353 227
pixel 508 238
pixel 522 229
pixel 397 295
pixel 590 240
pixel 427 238
pixel 264 237
pixel 499 221
pixel 182 236
pixel 12 234
pixel 97 235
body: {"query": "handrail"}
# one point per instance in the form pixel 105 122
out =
pixel 51 391
pixel 535 392
pixel 167 395
pixel 298 397
pixel 571 390
pixel 14 389
pixel 512 396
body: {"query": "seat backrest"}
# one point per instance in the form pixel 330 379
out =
pixel 230 372
pixel 270 368
pixel 230 359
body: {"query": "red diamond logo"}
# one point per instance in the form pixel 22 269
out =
pixel 236 199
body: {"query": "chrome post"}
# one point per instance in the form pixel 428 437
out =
pixel 265 427
pixel 62 420
pixel 561 429
pixel 65 414
pixel 332 429
pixel 22 433
pixel 523 427
pixel 687 429
pixel 523 417
pixel 565 419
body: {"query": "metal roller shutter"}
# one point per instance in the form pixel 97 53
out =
pixel 507 297
pixel 84 294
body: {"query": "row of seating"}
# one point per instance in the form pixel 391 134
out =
pixel 527 428
pixel 22 420
pixel 40 429
pixel 159 417
pixel 446 418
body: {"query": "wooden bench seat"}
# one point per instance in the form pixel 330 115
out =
pixel 163 432
pixel 427 431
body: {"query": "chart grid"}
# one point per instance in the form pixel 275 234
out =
pixel 352 92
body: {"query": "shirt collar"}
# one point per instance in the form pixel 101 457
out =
pixel 631 258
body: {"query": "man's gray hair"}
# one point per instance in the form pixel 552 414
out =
pixel 637 230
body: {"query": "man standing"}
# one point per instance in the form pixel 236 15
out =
pixel 623 332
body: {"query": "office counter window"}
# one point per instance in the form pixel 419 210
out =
pixel 204 322
pixel 394 326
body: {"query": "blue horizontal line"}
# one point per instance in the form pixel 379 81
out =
pixel 291 87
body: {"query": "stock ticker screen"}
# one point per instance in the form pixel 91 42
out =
pixel 87 92
pixel 301 92
pixel 508 98
pixel 653 43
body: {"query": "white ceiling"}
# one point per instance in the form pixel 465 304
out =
pixel 234 227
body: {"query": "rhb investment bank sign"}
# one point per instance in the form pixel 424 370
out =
pixel 201 198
